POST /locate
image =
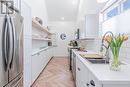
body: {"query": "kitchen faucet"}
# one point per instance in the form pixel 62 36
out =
pixel 106 46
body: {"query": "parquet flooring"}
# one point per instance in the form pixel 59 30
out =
pixel 56 74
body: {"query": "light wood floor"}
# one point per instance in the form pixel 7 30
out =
pixel 56 74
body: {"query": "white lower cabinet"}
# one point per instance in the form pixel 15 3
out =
pixel 93 82
pixel 43 59
pixel 85 78
pixel 48 53
pixel 39 61
pixel 51 52
pixel 82 74
pixel 35 66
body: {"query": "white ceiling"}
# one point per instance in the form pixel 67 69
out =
pixel 67 10
pixel 59 10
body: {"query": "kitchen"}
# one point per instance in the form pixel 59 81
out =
pixel 65 43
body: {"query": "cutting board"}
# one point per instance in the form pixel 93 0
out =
pixel 93 56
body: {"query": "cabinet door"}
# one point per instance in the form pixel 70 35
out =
pixel 93 82
pixel 92 26
pixel 43 59
pixel 51 52
pixel 36 63
pixel 82 74
pixel 47 55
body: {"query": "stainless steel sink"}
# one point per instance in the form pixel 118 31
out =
pixel 102 61
pixel 98 61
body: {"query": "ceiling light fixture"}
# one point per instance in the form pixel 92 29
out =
pixel 62 18
pixel 101 1
pixel 74 2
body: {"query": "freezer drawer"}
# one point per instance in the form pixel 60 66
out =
pixel 20 84
pixel 17 82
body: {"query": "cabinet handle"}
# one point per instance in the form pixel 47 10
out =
pixel 87 84
pixel 92 83
pixel 79 69
pixel 38 54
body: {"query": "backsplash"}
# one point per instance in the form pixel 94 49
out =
pixel 91 44
pixel 95 45
pixel 125 51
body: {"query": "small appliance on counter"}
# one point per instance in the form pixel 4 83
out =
pixel 39 20
pixel 73 43
pixel 49 43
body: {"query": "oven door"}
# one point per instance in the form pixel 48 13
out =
pixel 74 65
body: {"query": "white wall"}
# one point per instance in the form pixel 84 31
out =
pixel 62 27
pixel 27 43
pixel 88 7
pixel 39 10
pixel 118 24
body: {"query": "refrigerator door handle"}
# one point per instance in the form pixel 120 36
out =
pixel 4 43
pixel 10 42
pixel 13 42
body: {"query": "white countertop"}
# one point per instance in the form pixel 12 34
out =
pixel 40 50
pixel 103 73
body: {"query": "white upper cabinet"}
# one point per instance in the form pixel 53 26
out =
pixel 81 26
pixel 89 28
pixel 92 26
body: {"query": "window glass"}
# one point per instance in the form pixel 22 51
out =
pixel 112 13
pixel 126 5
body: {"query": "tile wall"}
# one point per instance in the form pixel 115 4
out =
pixel 95 45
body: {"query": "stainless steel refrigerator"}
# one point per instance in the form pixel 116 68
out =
pixel 11 50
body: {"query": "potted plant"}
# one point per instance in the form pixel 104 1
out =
pixel 115 43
